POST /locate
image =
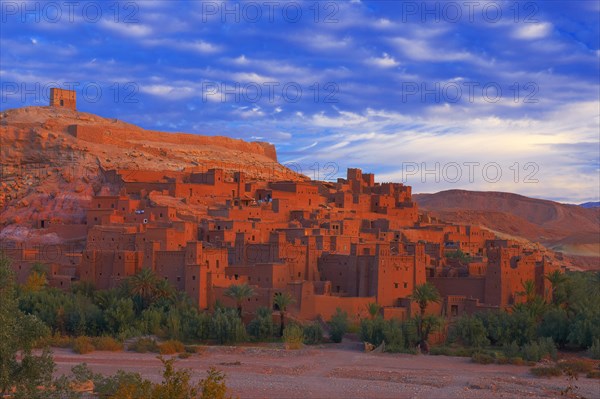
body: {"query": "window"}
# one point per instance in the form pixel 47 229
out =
pixel 454 310
pixel 405 285
pixel 193 278
pixel 395 285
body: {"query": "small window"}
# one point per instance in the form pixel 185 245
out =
pixel 405 285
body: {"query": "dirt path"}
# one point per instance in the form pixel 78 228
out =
pixel 331 372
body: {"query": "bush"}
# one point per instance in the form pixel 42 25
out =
pixel 394 337
pixel 371 330
pixel 546 371
pixel 338 325
pixel 144 345
pixel 55 341
pixel 293 336
pixel 170 347
pixel 594 374
pixel 83 345
pixel 575 366
pixel 261 327
pixel 469 331
pixel 107 344
pixel 483 358
pixel 594 350
pixel 227 327
pixel 511 350
pixel 313 334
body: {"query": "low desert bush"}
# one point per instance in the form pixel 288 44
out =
pixel 594 350
pixel 293 336
pixel 575 366
pixel 143 345
pixel 83 345
pixel 54 341
pixel 338 325
pixel 107 344
pixel 483 358
pixel 546 371
pixel 170 347
pixel 313 334
pixel 594 374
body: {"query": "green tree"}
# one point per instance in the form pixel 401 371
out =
pixel 261 327
pixel 470 331
pixel 282 300
pixel 528 291
pixel 239 292
pixel 145 285
pixel 338 325
pixel 18 332
pixel 556 279
pixel 424 294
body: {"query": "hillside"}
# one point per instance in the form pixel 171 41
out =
pixel 48 174
pixel 571 229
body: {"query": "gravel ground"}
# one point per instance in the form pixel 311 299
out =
pixel 341 371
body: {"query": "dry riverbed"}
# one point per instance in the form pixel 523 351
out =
pixel 341 371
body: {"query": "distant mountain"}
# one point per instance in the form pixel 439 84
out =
pixel 571 229
pixel 590 204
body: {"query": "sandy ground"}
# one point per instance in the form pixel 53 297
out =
pixel 341 371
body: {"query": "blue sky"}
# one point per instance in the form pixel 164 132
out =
pixel 483 95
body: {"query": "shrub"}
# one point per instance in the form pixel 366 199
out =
pixel 469 331
pixel 517 361
pixel 293 336
pixel 371 330
pixel 55 341
pixel 170 347
pixel 313 334
pixel 338 325
pixel 213 386
pixel 261 327
pixel 440 351
pixel 511 350
pixel 483 358
pixel 184 355
pixel 143 345
pixel 593 374
pixel 83 345
pixel 546 371
pixel 226 326
pixel 594 350
pixel 394 337
pixel 107 344
pixel 575 366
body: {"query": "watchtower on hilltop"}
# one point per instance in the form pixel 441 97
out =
pixel 63 98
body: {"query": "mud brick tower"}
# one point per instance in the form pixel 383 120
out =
pixel 63 98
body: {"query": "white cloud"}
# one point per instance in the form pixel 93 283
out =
pixel 527 31
pixel 137 30
pixel 385 61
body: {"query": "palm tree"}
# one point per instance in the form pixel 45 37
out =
pixel 144 284
pixel 556 278
pixel 164 290
pixel 373 308
pixel 239 292
pixel 423 294
pixel 528 291
pixel 282 301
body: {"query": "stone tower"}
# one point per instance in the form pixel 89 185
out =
pixel 63 98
